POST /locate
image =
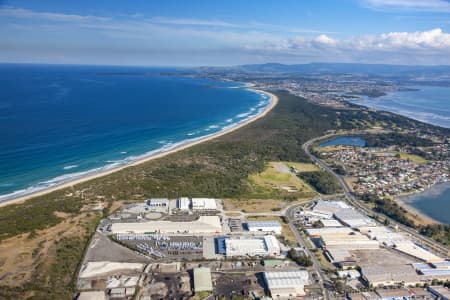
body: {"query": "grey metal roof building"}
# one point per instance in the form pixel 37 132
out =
pixel 284 284
pixel 264 226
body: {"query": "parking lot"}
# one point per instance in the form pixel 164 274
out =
pixel 165 247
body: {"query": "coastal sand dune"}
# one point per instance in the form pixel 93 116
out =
pixel 273 103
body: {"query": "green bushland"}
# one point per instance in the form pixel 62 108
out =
pixel 439 232
pixel 36 214
pixel 300 259
pixel 218 168
pixel 323 182
pixel 396 139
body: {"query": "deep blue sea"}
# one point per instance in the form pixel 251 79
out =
pixel 59 123
pixel 430 104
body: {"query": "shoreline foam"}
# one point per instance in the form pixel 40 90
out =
pixel 151 155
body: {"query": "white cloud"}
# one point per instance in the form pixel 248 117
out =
pixel 29 14
pixel 254 40
pixel 431 46
pixel 434 39
pixel 422 5
pixel 325 40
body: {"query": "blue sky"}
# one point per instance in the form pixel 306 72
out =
pixel 190 33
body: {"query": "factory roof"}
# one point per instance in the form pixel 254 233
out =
pixel 266 245
pixel 390 274
pixel 220 244
pixel 374 229
pixel 202 279
pixel 445 264
pixel 329 206
pixel 263 224
pixel 271 242
pixel 440 268
pixel 331 223
pixel 204 204
pixel 353 218
pixel 329 231
pixel 183 203
pixel 350 242
pixel 412 249
pixel 435 272
pixel 286 279
pixel 440 291
pixel 92 295
pixel 205 224
pixel 339 255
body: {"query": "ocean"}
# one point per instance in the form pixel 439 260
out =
pixel 429 104
pixel 59 123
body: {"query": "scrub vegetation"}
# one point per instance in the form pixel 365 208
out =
pixel 218 168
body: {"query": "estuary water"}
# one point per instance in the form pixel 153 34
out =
pixel 434 202
pixel 429 104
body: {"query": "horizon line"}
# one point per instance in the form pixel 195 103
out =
pixel 218 66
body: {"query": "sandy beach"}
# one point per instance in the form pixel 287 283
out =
pixel 421 218
pixel 273 103
pixel 431 194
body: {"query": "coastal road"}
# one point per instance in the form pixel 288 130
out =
pixel 428 242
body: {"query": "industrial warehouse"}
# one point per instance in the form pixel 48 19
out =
pixel 193 246
pixel 159 233
pixel 384 256
pixel 286 284
pixel 264 226
pixel 204 224
pixel 252 247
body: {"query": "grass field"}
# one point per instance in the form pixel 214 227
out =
pixel 413 158
pixel 277 181
pixel 254 205
pixel 350 181
pixel 302 167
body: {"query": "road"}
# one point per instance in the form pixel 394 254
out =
pixel 324 281
pixel 428 242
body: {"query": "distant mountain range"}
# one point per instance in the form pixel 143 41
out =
pixel 335 68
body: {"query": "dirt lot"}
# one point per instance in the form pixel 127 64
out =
pixel 229 285
pixel 103 249
pixel 381 257
pixel 254 205
pixel 167 286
